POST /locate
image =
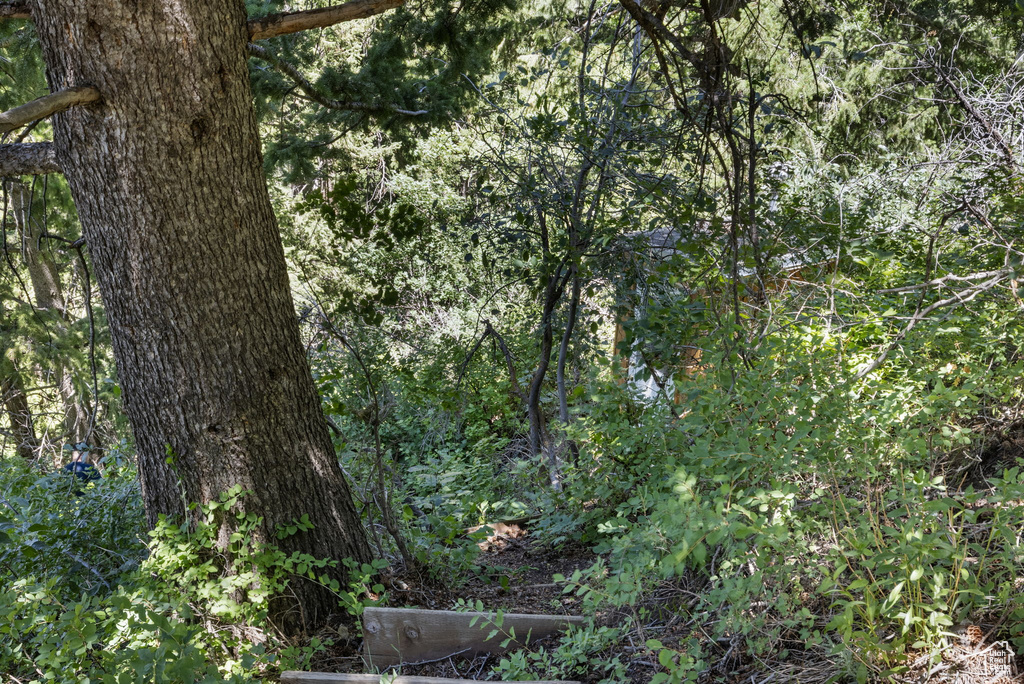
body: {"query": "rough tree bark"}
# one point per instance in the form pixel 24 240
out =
pixel 19 415
pixel 166 174
pixel 30 159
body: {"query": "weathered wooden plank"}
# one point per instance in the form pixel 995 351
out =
pixel 332 678
pixel 392 636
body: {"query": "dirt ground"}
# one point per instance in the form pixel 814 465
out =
pixel 515 576
pixel 1003 449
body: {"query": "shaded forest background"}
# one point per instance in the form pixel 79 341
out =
pixel 721 297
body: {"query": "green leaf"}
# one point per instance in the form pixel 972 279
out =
pixel 896 591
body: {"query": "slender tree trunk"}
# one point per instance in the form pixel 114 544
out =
pixel 563 353
pixel 750 176
pixel 513 379
pixel 42 269
pixel 536 383
pixel 166 173
pixel 538 439
pixel 49 296
pixel 563 348
pixel 15 401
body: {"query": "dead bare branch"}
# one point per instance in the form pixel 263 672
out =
pixel 958 299
pixel 293 22
pixel 489 331
pixel 45 106
pixel 939 282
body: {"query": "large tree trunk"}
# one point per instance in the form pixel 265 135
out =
pixel 167 178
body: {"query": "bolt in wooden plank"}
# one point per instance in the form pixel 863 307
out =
pixel 332 678
pixel 392 636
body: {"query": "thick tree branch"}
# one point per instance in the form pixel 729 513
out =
pixel 28 159
pixel 657 31
pixel 46 106
pixel 14 9
pixel 269 26
pixel 316 96
pixel 293 22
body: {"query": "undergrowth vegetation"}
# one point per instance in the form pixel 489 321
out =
pixel 723 300
pixel 88 599
pixel 782 514
pixel 802 520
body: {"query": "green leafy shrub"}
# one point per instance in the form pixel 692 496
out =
pixel 86 539
pixel 189 612
pixel 722 502
pixel 922 560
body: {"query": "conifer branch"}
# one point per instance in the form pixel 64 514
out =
pixel 45 106
pixel 316 96
pixel 293 22
pixel 15 9
pixel 28 159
